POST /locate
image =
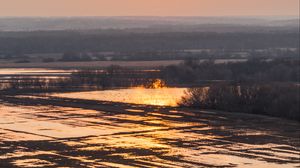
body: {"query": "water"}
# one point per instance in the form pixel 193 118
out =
pixel 32 71
pixel 79 135
pixel 8 73
pixel 140 95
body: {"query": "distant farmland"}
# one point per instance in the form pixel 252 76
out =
pixel 90 64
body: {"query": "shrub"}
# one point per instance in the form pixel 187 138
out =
pixel 279 100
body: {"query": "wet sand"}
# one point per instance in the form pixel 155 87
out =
pixel 65 132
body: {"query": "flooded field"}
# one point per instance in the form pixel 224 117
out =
pixel 10 73
pixel 135 127
pixel 73 132
pixel 32 71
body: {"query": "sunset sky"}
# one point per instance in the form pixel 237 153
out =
pixel 148 7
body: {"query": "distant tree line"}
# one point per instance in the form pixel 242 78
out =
pixel 62 41
pixel 254 70
pixel 71 56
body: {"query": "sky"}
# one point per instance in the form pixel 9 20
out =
pixel 149 7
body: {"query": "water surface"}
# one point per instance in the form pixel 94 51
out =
pixel 140 95
pixel 76 134
pixel 32 71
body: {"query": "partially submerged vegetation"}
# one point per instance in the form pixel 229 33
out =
pixel 279 100
pixel 110 77
pixel 267 87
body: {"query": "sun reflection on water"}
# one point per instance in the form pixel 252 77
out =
pixel 136 136
pixel 154 96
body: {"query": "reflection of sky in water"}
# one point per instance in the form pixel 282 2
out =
pixel 136 136
pixel 32 71
pixel 160 97
pixel 157 138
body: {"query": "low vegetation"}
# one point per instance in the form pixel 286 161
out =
pixel 267 87
pixel 279 100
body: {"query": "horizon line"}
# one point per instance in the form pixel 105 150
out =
pixel 158 16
